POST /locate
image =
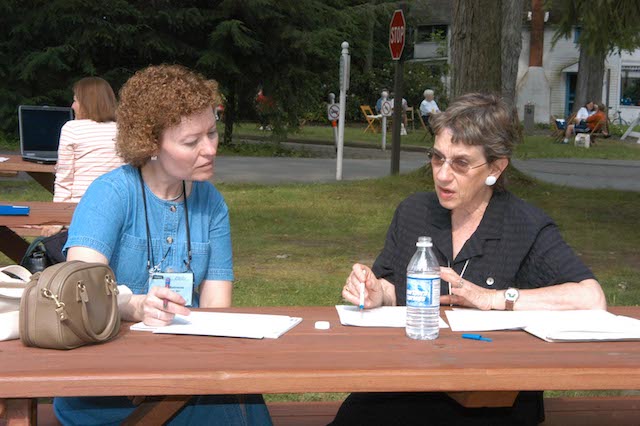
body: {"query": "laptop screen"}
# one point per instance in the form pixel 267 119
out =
pixel 40 127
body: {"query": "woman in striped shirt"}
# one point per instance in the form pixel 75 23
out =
pixel 87 144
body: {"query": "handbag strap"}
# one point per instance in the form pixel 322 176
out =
pixel 111 323
pixel 86 321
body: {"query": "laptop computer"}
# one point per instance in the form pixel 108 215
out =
pixel 40 131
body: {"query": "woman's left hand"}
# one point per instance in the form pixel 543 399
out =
pixel 464 292
pixel 49 230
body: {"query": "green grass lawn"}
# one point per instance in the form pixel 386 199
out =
pixel 295 244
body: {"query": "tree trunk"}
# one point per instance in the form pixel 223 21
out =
pixel 590 78
pixel 475 47
pixel 229 117
pixel 511 44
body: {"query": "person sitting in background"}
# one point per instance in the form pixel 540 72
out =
pixel 87 146
pixel 597 121
pixel 159 214
pixel 579 124
pixel 379 101
pixel 495 250
pixel 427 107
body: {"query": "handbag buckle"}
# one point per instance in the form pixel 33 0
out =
pixel 59 305
pixel 47 293
pixel 110 285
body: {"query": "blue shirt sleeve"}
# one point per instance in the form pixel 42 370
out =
pixel 97 221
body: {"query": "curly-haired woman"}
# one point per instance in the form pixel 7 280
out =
pixel 158 214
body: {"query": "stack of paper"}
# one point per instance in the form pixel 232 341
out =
pixel 385 316
pixel 223 324
pixel 552 326
pixel 585 326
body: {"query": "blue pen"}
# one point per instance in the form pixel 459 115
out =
pixel 476 337
pixel 362 286
pixel 167 284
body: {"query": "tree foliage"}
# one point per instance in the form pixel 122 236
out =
pixel 290 49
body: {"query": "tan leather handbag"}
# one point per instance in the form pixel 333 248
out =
pixel 70 304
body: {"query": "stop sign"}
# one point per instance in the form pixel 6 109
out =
pixel 396 34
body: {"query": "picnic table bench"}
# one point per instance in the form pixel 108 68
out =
pixel 41 213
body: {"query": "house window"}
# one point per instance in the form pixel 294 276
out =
pixel 630 85
pixel 576 35
pixel 431 33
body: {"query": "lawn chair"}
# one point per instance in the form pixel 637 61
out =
pixel 424 127
pixel 559 127
pixel 373 120
pixel 411 118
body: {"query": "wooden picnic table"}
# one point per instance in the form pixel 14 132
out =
pixel 341 359
pixel 41 213
pixel 44 174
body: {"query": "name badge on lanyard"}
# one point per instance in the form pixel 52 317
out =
pixel 178 282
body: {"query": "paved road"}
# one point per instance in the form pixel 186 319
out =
pixel 299 170
pixel 584 173
pixel 366 163
pixel 362 163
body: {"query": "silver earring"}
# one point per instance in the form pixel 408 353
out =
pixel 490 180
pixel 154 158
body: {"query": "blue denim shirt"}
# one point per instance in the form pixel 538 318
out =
pixel 110 219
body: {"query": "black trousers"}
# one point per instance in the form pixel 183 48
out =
pixel 425 119
pixel 434 408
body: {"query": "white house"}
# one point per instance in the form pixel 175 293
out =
pixel 620 87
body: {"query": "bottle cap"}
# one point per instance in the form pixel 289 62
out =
pixel 322 325
pixel 424 242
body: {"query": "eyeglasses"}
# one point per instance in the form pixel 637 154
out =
pixel 458 165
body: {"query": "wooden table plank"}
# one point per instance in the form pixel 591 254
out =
pixel 342 359
pixel 40 213
pixel 44 174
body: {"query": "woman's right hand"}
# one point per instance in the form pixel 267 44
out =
pixel 160 306
pixel 373 289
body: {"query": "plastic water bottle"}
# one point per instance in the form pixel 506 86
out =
pixel 423 293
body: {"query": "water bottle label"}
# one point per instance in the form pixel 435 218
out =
pixel 423 292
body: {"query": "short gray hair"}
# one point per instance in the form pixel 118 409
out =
pixel 484 120
pixel 428 92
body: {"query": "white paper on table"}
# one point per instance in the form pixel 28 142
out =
pixel 552 326
pixel 384 316
pixel 585 326
pixel 476 320
pixel 3 159
pixel 226 324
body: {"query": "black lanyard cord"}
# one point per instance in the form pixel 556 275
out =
pixel 150 258
pixel 186 219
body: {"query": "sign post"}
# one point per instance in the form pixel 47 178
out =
pixel 333 114
pixel 385 110
pixel 397 30
pixel 345 64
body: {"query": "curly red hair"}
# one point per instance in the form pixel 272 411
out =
pixel 154 99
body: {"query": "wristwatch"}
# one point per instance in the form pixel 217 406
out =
pixel 510 297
